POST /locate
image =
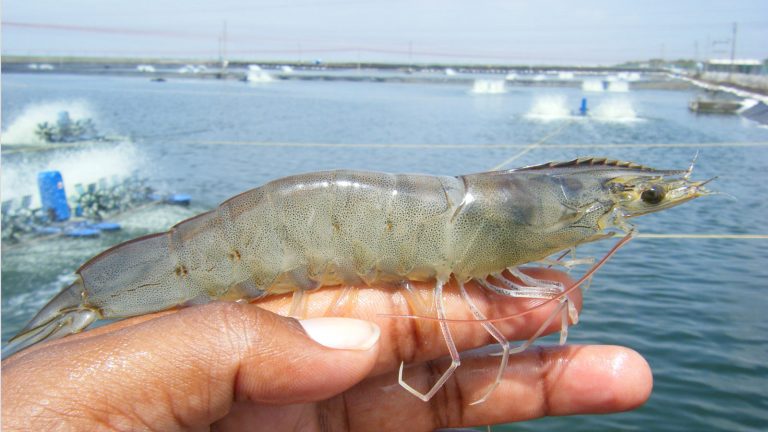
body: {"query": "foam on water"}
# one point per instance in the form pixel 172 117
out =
pixel 592 85
pixel 549 107
pixel 484 86
pixel 86 166
pixel 615 110
pixel 258 76
pixel 558 107
pixel 21 130
pixel 618 86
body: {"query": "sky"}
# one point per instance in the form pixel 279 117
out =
pixel 586 32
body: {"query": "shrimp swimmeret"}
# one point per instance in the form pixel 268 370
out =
pixel 355 228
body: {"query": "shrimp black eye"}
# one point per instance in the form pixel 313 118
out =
pixel 654 195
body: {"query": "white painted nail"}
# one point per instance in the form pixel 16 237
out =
pixel 342 333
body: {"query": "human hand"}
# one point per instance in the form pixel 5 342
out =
pixel 239 366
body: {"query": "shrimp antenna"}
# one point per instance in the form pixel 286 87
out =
pixel 690 168
pixel 707 181
pixel 587 275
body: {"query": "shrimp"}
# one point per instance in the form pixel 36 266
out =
pixel 355 228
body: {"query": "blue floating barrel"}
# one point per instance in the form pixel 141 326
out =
pixel 83 232
pixel 179 199
pixel 106 226
pixel 52 195
pixel 583 108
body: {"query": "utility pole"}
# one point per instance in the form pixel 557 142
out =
pixel 733 51
pixel 300 51
pixel 696 51
pixel 223 55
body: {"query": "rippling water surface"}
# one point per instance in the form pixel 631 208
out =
pixel 695 308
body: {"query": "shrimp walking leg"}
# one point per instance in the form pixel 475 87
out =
pixel 454 353
pixel 414 299
pixel 570 312
pixel 496 334
pixel 343 303
pixel 298 304
pixel 537 289
pixel 567 264
pixel 509 288
pixel 525 345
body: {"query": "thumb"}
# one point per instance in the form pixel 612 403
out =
pixel 186 369
pixel 311 361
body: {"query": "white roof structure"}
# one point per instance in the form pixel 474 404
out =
pixel 741 62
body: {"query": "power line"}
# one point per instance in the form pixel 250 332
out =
pixel 107 30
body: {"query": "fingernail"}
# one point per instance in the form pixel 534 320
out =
pixel 342 333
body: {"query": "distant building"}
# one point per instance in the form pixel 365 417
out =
pixel 744 66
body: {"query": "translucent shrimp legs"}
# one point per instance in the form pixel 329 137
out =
pixel 537 288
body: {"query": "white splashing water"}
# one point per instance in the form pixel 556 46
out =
pixel 258 77
pixel 86 166
pixel 592 85
pixel 21 130
pixel 618 86
pixel 549 107
pixel 482 86
pixel 615 110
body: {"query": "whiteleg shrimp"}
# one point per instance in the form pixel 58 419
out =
pixel 355 228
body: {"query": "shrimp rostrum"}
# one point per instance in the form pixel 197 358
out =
pixel 355 228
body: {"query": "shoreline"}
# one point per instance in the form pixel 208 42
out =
pixel 525 76
pixel 460 67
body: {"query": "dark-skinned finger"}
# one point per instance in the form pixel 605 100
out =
pixel 417 340
pixel 541 382
pixel 178 370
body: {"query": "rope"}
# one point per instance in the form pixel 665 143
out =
pixel 477 146
pixel 706 236
pixel 648 236
pixel 532 146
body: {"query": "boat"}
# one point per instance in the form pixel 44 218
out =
pixel 711 106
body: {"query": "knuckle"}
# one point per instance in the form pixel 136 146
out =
pixel 229 326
